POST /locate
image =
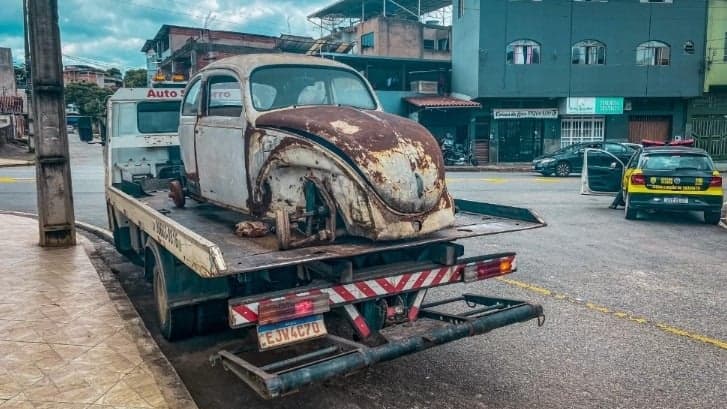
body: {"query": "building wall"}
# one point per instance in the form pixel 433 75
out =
pixel 7 73
pixel 465 48
pixel 395 37
pixel 556 25
pixel 716 48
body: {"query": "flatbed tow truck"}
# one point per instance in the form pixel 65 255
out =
pixel 304 314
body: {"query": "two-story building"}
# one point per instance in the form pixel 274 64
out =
pixel 553 73
pixel 707 115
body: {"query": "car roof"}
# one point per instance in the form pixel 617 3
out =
pixel 675 149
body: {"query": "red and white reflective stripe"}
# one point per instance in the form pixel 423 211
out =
pixel 247 314
pixel 359 323
pixel 414 309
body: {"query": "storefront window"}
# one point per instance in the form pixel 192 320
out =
pixel 581 129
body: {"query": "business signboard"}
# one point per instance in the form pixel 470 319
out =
pixel 538 113
pixel 595 106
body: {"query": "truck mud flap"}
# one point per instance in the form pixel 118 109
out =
pixel 332 356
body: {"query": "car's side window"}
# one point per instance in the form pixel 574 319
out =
pixel 634 160
pixel 224 96
pixel 191 100
pixel 615 149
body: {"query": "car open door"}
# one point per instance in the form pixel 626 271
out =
pixel 602 173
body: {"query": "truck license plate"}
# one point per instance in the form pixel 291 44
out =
pixel 676 200
pixel 289 332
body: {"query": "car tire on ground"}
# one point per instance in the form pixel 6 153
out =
pixel 562 169
pixel 629 212
pixel 711 217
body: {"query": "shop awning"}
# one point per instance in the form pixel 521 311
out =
pixel 436 101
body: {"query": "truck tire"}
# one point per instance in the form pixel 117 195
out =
pixel 712 217
pixel 629 212
pixel 174 323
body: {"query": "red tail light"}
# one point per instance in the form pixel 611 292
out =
pixel 716 181
pixel 638 180
pixel 291 307
pixel 489 268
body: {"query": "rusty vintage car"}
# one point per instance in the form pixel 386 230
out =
pixel 303 143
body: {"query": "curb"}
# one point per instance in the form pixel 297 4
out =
pixel 171 385
pixel 17 163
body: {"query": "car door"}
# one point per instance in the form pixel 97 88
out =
pixel 219 141
pixel 602 173
pixel 187 123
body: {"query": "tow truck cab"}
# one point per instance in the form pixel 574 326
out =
pixel 142 138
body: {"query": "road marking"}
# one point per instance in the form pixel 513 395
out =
pixel 618 314
pixel 7 179
pixel 503 180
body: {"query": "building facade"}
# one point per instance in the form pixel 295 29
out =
pixel 84 74
pixel 707 115
pixel 179 51
pixel 552 73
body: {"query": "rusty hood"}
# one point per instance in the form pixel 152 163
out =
pixel 399 158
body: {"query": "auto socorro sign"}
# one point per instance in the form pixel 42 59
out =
pixel 595 106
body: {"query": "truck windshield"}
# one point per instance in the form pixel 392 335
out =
pixel 676 161
pixel 285 86
pixel 157 117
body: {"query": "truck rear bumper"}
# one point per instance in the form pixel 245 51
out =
pixel 337 356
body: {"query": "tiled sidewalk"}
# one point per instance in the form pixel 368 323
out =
pixel 64 342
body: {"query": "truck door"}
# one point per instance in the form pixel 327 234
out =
pixel 602 172
pixel 219 141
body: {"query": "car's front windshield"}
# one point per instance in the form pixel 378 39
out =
pixel 287 86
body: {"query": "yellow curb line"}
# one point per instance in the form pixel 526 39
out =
pixel 618 314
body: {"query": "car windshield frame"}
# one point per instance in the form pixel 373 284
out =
pixel 330 93
pixel 152 117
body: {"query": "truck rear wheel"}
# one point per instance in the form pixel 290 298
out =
pixel 174 323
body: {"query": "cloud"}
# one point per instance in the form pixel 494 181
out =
pixel 112 32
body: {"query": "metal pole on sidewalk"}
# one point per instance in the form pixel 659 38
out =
pixel 52 169
pixel 28 82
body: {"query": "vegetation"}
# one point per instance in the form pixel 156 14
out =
pixel 88 97
pixel 135 78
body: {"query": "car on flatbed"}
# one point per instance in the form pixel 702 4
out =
pixel 569 159
pixel 668 178
pixel 309 311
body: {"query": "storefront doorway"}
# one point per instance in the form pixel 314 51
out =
pixel 654 128
pixel 481 149
pixel 520 140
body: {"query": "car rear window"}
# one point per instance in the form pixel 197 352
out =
pixel 676 161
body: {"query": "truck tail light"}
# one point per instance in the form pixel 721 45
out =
pixel 716 181
pixel 482 270
pixel 638 179
pixel 292 307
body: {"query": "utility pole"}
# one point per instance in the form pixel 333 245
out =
pixel 28 81
pixel 52 168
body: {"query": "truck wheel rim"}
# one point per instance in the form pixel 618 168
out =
pixel 160 295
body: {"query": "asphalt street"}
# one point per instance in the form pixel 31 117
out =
pixel 635 310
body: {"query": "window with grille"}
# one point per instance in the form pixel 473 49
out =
pixel 653 53
pixel 581 129
pixel 589 52
pixel 367 40
pixel 523 52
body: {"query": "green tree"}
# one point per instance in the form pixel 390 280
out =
pixel 89 97
pixel 21 76
pixel 135 78
pixel 113 72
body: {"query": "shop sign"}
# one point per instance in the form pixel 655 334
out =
pixel 538 113
pixel 595 106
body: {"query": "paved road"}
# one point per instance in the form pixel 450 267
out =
pixel 636 314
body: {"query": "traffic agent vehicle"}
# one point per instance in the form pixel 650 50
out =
pixel 661 177
pixel 303 312
pixel 569 160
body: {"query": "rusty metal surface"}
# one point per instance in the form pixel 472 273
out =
pixel 250 254
pixel 398 157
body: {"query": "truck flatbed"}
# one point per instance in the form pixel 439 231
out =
pixel 209 229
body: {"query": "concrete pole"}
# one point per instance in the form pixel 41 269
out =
pixel 52 169
pixel 28 82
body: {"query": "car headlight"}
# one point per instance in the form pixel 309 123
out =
pixel 547 161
